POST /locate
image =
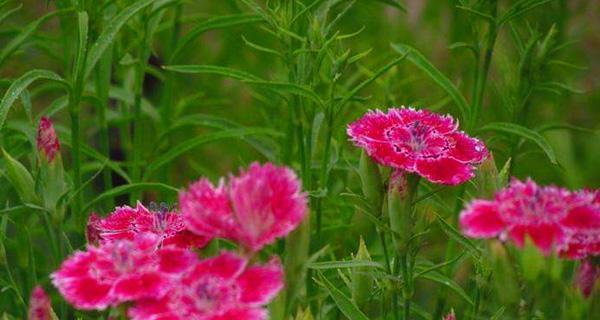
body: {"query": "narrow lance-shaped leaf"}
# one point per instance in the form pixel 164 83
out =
pixel 20 178
pixel 17 41
pixel 523 132
pixel 346 306
pixel 19 85
pixel 437 76
pixel 110 32
pixel 210 69
pixel 211 24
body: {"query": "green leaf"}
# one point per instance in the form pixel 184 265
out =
pixel 394 3
pixel 106 38
pixel 20 178
pixel 285 87
pixel 128 188
pixel 437 76
pixel 18 86
pixel 372 78
pixel 219 22
pixel 519 8
pixel 14 44
pixel 458 237
pixel 210 69
pixel 346 306
pixel 447 282
pixel 200 140
pixel 344 264
pixel 525 133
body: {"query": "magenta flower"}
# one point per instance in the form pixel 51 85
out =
pixel 419 141
pixel 120 271
pixel 126 222
pixel 254 208
pixel 47 141
pixel 587 275
pixel 40 307
pixel 219 288
pixel 450 316
pixel 582 228
pixel 549 216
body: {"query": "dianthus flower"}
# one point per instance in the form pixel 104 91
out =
pixel 552 217
pixel 419 141
pixel 582 228
pixel 219 288
pixel 255 208
pixel 126 222
pixel 120 271
pixel 40 307
pixel 47 141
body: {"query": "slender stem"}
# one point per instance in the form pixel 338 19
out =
pixel 483 68
pixel 140 71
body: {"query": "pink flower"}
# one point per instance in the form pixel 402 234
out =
pixel 254 208
pixel 419 141
pixel 552 217
pixel 120 271
pixel 582 227
pixel 126 222
pixel 40 307
pixel 219 288
pixel 450 316
pixel 47 141
pixel 587 275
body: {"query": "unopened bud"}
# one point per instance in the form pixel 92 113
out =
pixel 587 275
pixel 304 315
pixel 40 307
pixel 362 282
pixel 47 141
pixel 401 190
pixel 372 186
pixel 487 178
pixel 92 233
pixel 450 316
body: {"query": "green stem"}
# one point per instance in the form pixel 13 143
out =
pixel 140 71
pixel 484 67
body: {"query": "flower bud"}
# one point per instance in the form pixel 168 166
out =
pixel 304 315
pixel 92 233
pixel 47 141
pixel 450 316
pixel 400 194
pixel 587 275
pixel 362 282
pixel 372 186
pixel 487 178
pixel 39 306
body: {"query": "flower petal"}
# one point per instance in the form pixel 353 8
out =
pixel 260 284
pixel 467 149
pixel 481 219
pixel 444 170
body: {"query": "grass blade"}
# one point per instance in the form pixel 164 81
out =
pixel 437 76
pixel 110 31
pixel 346 306
pixel 525 133
pixel 19 85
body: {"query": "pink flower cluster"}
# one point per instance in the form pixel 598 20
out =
pixel 553 218
pixel 145 258
pixel 419 141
